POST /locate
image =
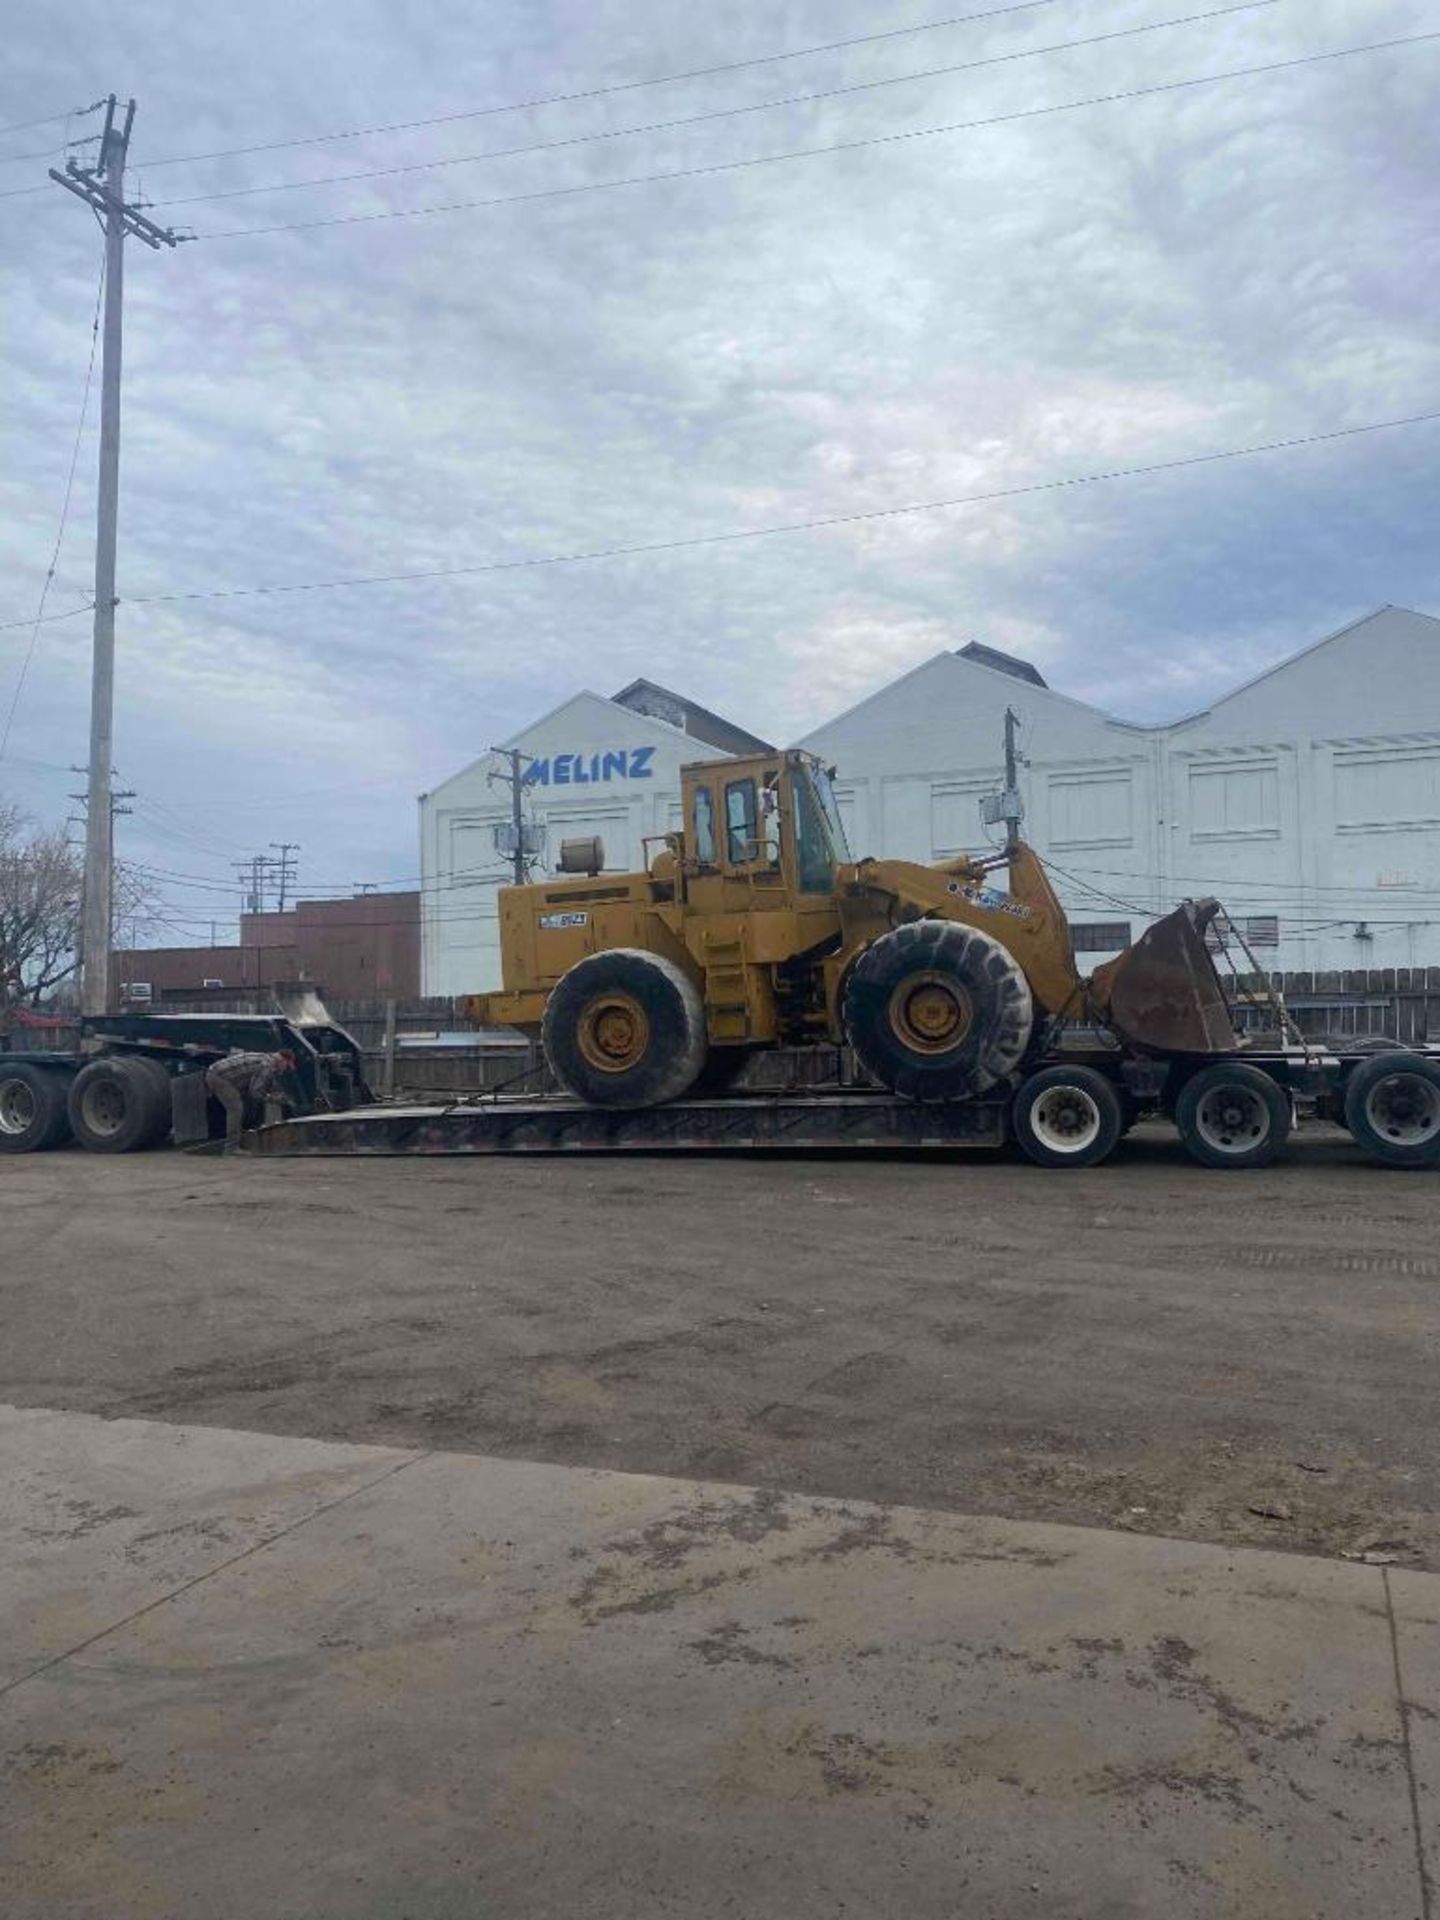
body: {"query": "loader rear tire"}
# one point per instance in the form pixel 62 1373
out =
pixel 625 1029
pixel 938 1011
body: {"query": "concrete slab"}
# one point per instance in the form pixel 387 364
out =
pixel 101 1517
pixel 1415 1602
pixel 481 1686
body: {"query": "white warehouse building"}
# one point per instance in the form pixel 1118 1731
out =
pixel 1307 800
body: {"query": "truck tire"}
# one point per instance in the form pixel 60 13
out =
pixel 119 1104
pixel 32 1108
pixel 1232 1116
pixel 625 1029
pixel 938 1011
pixel 1392 1108
pixel 1067 1117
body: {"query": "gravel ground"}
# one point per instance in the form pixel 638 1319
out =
pixel 1237 1358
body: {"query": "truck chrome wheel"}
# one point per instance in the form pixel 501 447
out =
pixel 613 1033
pixel 17 1107
pixel 1404 1108
pixel 1233 1116
pixel 1231 1119
pixel 1066 1119
pixel 930 1012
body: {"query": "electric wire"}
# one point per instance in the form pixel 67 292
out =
pixel 601 92
pixel 714 168
pixel 49 119
pixel 39 620
pixel 733 535
pixel 721 113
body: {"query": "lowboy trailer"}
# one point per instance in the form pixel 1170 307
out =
pixel 1232 1112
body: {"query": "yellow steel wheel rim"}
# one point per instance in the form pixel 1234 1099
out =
pixel 930 1012
pixel 614 1033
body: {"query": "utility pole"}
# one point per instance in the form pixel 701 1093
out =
pixel 285 867
pixel 1012 781
pixel 519 852
pixel 102 188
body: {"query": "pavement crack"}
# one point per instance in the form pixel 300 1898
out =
pixel 1427 1891
pixel 222 1566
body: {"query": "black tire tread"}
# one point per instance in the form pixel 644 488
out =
pixel 677 1019
pixel 1004 1011
pixel 1357 1088
pixel 1106 1097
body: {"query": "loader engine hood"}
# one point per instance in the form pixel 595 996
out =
pixel 1163 995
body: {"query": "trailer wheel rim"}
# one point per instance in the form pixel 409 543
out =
pixel 17 1107
pixel 1232 1119
pixel 102 1106
pixel 1404 1108
pixel 614 1033
pixel 930 1012
pixel 1066 1119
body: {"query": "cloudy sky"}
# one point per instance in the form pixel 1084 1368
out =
pixel 906 320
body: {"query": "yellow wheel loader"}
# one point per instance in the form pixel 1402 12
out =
pixel 754 926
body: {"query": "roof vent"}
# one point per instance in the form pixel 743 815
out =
pixel 999 662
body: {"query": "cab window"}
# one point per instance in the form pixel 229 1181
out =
pixel 814 864
pixel 740 822
pixel 704 827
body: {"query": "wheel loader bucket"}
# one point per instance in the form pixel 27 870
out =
pixel 1163 995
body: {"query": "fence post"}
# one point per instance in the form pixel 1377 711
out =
pixel 387 1080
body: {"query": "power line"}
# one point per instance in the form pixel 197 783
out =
pixel 792 526
pixel 599 93
pixel 724 113
pixel 48 119
pixel 64 516
pixel 9 626
pixel 714 168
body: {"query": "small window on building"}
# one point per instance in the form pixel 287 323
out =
pixel 1101 936
pixel 1262 930
pixel 704 827
pixel 741 836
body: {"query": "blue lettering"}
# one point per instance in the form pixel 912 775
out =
pixel 537 774
pixel 614 763
pixel 561 768
pixel 577 770
pixel 640 758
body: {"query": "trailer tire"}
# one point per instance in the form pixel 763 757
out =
pixel 1233 1116
pixel 625 1029
pixel 32 1108
pixel 938 1011
pixel 120 1104
pixel 1067 1117
pixel 1392 1108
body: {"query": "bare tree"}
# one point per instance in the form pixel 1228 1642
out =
pixel 40 881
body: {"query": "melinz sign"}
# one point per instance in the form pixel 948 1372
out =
pixel 591 769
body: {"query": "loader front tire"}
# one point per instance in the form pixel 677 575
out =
pixel 625 1029
pixel 938 1011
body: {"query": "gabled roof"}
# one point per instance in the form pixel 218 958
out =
pixel 660 703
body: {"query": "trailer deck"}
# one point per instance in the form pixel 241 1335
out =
pixel 554 1123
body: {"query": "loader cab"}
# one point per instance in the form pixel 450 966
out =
pixel 771 822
